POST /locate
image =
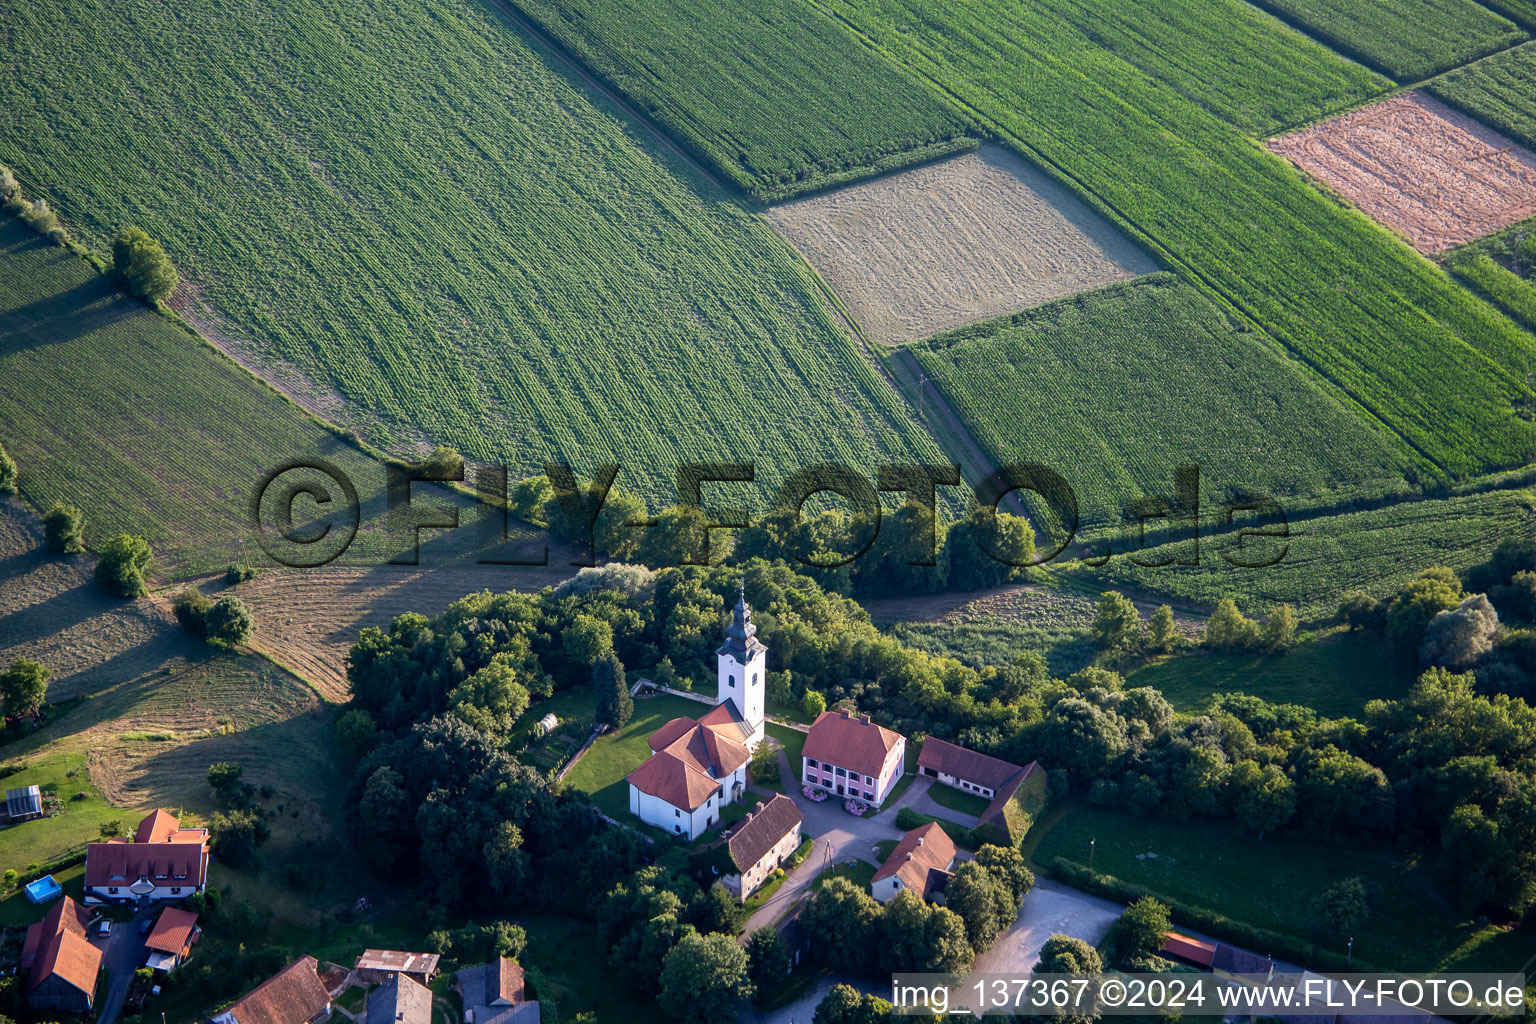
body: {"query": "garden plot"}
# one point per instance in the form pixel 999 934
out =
pixel 1433 175
pixel 951 243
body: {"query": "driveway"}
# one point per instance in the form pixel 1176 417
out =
pixel 1050 909
pixel 120 954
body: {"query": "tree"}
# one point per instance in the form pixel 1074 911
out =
pixel 587 639
pixel 124 561
pixel 229 622
pixel 1265 796
pixel 841 920
pixel 224 777
pixel 981 901
pixel 1164 634
pixel 23 687
pixel 1229 629
pixel 1459 639
pixel 765 765
pixel 768 960
pixel 1359 610
pixel 494 698
pixel 7 472
pixel 356 733
pixel 1140 929
pixel 112 829
pixel 703 978
pixel 1062 954
pixel 235 834
pixel 191 609
pixel 1343 906
pixel 443 463
pixel 1117 623
pixel 813 704
pixel 1280 630
pixel 1412 608
pixel 614 704
pixel 64 529
pixel 142 265
pixel 1007 865
pixel 986 550
pixel 844 1004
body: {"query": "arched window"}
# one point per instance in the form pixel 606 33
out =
pixel 730 681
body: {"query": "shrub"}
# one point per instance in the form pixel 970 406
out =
pixel 191 608
pixel 237 573
pixel 23 687
pixel 229 621
pixel 7 472
pixel 124 561
pixel 142 265
pixel 907 819
pixel 64 529
pixel 443 463
pixel 1229 629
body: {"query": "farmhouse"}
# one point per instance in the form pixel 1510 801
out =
pixel 163 861
pixel 294 995
pixel 764 841
pixel 376 966
pixel 852 756
pixel 991 778
pixel 170 941
pixel 24 804
pixel 401 1000
pixel 61 961
pixel 698 767
pixel 496 993
pixel 922 862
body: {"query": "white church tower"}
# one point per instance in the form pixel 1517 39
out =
pixel 744 671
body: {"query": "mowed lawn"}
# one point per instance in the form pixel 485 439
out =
pixel 603 769
pixel 1272 883
pixel 1335 675
pixel 409 207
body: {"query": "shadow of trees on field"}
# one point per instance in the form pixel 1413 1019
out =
pixel 67 315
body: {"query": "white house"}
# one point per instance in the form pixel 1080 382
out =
pixel 851 756
pixel 699 766
pixel 163 861
pixel 762 843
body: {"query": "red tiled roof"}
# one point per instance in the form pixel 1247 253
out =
pixel 689 765
pixel 58 948
pixel 763 830
pixel 971 765
pixel 920 854
pixel 172 932
pixel 850 741
pixel 160 850
pixel 508 980
pixel 1186 948
pixel 291 996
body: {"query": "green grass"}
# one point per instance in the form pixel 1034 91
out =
pixel 1408 39
pixel 1335 675
pixel 16 911
pixel 1271 883
pixel 884 847
pixel 562 948
pixel 774 95
pixel 1499 90
pixel 859 872
pixel 958 800
pixel 406 203
pixel 1087 385
pixel 44 840
pixel 1344 297
pixel 124 413
pixel 603 769
pixel 1511 293
pixel 1376 551
pixel 793 742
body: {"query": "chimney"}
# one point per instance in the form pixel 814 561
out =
pixel 919 840
pixel 864 718
pixel 909 856
pixel 758 807
pixel 846 713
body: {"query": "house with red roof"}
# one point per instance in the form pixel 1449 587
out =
pixel 698 767
pixel 60 962
pixel 294 995
pixel 851 756
pixel 923 862
pixel 170 942
pixel 496 993
pixel 162 861
pixel 1015 794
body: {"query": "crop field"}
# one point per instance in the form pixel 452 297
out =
pixel 955 242
pixel 774 95
pixel 119 411
pixel 1408 39
pixel 472 250
pixel 1376 550
pixel 1499 90
pixel 1434 363
pixel 1085 386
pixel 1431 173
pixel 1513 294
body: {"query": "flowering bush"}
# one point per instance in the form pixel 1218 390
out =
pixel 854 807
pixel 812 793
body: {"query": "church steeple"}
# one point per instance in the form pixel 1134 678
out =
pixel 744 669
pixel 741 636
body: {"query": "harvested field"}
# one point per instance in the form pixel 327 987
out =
pixel 307 619
pixel 1428 172
pixel 951 243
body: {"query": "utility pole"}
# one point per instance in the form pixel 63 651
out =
pixel 1091 843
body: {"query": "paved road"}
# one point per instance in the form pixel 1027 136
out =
pixel 1050 909
pixel 121 953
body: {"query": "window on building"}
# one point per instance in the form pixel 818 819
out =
pixel 676 813
pixel 868 795
pixel 869 780
pixel 811 762
pixel 840 773
pixel 176 889
pixel 113 890
pixel 730 681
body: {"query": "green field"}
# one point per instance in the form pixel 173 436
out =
pixel 406 204
pixel 1513 294
pixel 1089 385
pixel 1271 883
pixel 1408 39
pixel 1500 91
pixel 122 412
pixel 774 95
pixel 1434 363
pixel 1335 675
pixel 958 800
pixel 603 769
pixel 1376 551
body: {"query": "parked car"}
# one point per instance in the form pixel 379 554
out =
pixel 105 928
pixel 146 926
